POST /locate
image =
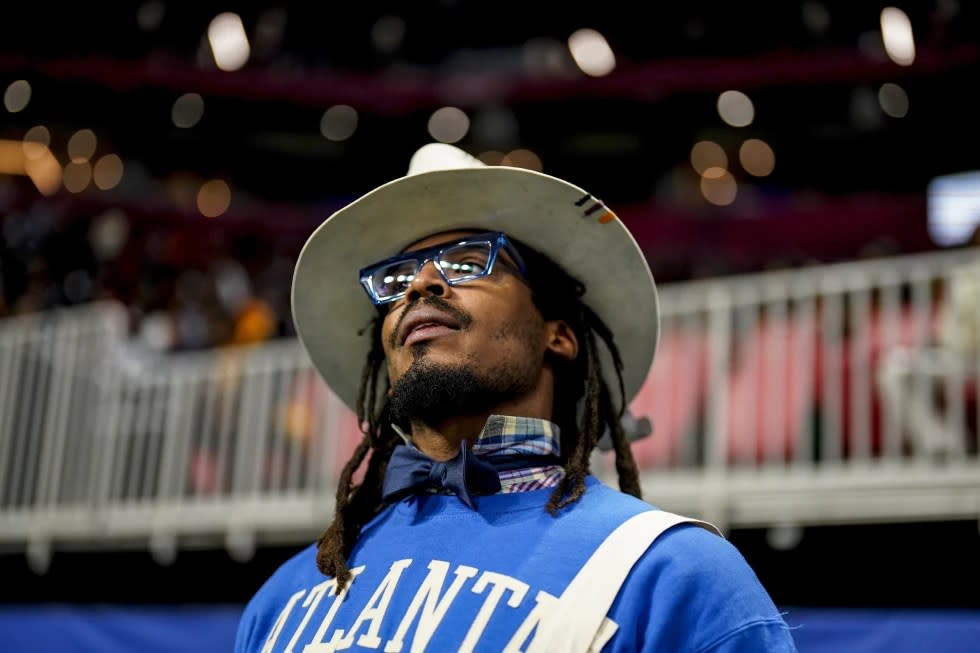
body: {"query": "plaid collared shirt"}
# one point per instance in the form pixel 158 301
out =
pixel 505 435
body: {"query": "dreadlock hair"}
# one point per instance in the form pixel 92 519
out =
pixel 583 411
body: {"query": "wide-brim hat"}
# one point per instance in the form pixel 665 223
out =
pixel 562 221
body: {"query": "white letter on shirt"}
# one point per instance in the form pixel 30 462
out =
pixel 500 584
pixel 281 621
pixel 544 604
pixel 317 645
pixel 374 611
pixel 311 603
pixel 434 609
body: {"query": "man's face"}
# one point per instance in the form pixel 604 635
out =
pixel 483 338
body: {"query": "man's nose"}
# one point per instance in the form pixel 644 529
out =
pixel 428 281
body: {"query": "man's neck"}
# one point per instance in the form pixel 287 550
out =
pixel 441 441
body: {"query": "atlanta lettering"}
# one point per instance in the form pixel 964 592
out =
pixel 318 630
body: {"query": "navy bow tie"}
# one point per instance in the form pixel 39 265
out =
pixel 410 470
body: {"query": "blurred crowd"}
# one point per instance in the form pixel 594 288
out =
pixel 196 283
pixel 186 287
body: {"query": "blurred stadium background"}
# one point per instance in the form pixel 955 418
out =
pixel 804 178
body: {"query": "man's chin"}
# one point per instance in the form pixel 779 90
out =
pixel 438 384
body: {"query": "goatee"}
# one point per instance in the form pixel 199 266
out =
pixel 429 392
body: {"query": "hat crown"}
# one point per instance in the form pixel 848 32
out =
pixel 441 156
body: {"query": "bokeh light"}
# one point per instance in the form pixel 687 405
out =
pixel 953 207
pixel 894 100
pixel 492 157
pixel 108 234
pixel 37 141
pixel 387 34
pixel 522 158
pixel 708 154
pixel 17 96
pixel 718 186
pixel 12 158
pixel 756 157
pixel 896 35
pixel 736 109
pixel 77 176
pixel 229 43
pixel 187 110
pixel 448 125
pixel 81 145
pixel 339 122
pixel 42 168
pixel 213 198
pixel 591 52
pixel 108 172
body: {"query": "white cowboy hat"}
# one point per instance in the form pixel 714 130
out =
pixel 447 189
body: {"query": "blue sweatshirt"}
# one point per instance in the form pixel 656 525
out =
pixel 431 574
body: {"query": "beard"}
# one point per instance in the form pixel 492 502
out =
pixel 429 392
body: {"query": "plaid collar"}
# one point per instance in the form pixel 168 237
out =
pixel 508 435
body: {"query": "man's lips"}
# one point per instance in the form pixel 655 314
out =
pixel 426 332
pixel 424 323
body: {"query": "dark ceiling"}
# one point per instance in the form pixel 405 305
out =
pixel 812 70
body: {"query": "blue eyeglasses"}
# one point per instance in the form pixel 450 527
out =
pixel 461 261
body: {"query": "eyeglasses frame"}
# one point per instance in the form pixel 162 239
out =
pixel 496 239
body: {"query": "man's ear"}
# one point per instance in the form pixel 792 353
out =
pixel 562 341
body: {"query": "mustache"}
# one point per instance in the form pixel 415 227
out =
pixel 439 303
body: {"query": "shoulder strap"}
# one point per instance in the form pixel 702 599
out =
pixel 578 613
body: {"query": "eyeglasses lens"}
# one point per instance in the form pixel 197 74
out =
pixel 465 261
pixel 394 279
pixel 458 263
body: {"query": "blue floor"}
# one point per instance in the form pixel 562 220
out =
pixel 880 631
pixel 64 628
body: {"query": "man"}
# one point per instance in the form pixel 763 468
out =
pixel 508 319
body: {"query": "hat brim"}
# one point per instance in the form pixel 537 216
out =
pixel 559 219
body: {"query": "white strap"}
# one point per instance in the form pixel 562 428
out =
pixel 578 614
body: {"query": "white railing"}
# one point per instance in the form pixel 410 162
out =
pixel 822 395
pixel 102 444
pixel 830 394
